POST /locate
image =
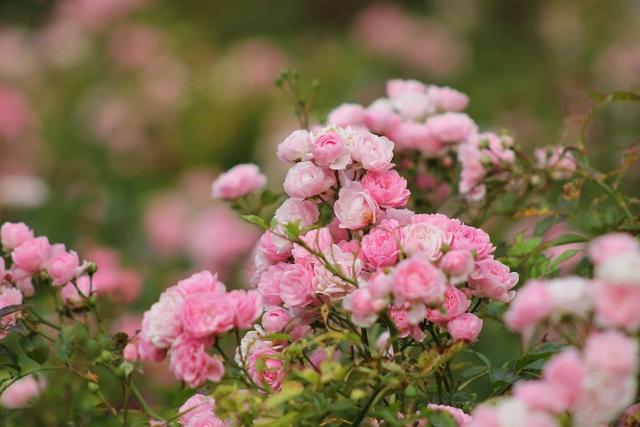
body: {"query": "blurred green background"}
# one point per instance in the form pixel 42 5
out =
pixel 115 115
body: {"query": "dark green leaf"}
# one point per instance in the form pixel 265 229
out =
pixel 254 219
pixel 35 347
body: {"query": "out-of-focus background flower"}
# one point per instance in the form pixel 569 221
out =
pixel 115 115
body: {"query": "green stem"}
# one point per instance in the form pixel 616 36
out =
pixel 147 409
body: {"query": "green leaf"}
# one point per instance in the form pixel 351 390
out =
pixel 569 253
pixel 293 230
pixel 277 336
pixel 256 220
pixel 35 347
pixel 290 389
pixel 8 357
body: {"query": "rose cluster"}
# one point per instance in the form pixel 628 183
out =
pixel 185 322
pixel 594 379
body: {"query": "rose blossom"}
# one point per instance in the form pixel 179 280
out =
pixel 318 240
pixel 207 313
pixel 417 280
pixel 473 239
pixel 396 87
pixel 13 235
pixel 617 305
pixel 274 247
pixel 363 307
pixel 297 286
pixel 565 371
pixel 70 295
pixel 200 282
pixel 196 404
pixel 305 179
pixel 415 106
pixel 455 303
pixel 302 212
pixel 569 296
pixel 8 296
pixel 32 254
pixel 531 305
pixel 347 115
pixel 458 264
pixel 613 352
pixel 63 267
pixel 330 151
pixel 238 181
pixel 355 208
pixel 275 319
pixel 452 127
pixel 269 284
pixel 387 188
pixel 373 152
pixel 621 269
pixel 206 419
pixel 247 306
pixel 447 99
pixel 162 324
pixel 23 390
pixel 270 372
pixel 381 246
pixel 380 117
pixel 458 415
pixel 296 146
pixel 423 239
pixel 492 279
pixel 465 327
pixel 130 352
pixel 612 245
pixel 190 362
pixel 400 318
pixel 331 285
pixel 540 395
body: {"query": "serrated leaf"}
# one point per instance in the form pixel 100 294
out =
pixel 256 220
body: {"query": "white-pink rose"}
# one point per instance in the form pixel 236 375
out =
pixel 355 208
pixel 238 181
pixel 306 179
pixel 295 147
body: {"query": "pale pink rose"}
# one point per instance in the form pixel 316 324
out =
pixel 497 148
pixel 206 419
pixel 190 362
pixel 22 391
pixel 412 135
pixel 531 305
pixel 373 152
pixel 396 87
pixel 540 395
pixel 458 415
pixel 570 296
pixel 557 160
pixel 611 245
pixel 417 280
pixel 76 296
pixel 295 147
pixel 162 324
pixel 247 307
pixel 305 179
pixel 148 351
pixel 380 285
pixel 347 115
pixel 472 239
pixel 364 310
pixel 355 208
pixel 405 329
pixel 414 106
pixel 492 279
pixel 465 327
pixel 458 264
pixel 616 306
pixel 207 313
pixel 274 247
pixel 565 371
pixel 269 284
pixel 387 188
pixel 403 216
pixel 297 286
pixel 455 303
pixel 381 246
pixel 130 352
pixel 612 352
pixel 447 99
pixel 452 127
pixel 63 267
pixel 318 240
pixel 472 173
pixel 238 181
pixel 380 117
pixel 199 283
pixel 484 416
pixel 14 234
pixel 196 404
pixel 269 372
pixel 8 296
pixel 32 254
pixel 302 212
pixel 331 285
pixel 329 150
pixel 424 239
pixel 275 320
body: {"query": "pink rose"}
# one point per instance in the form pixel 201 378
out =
pixel 247 307
pixel 355 208
pixel 473 172
pixel 423 239
pixel 472 239
pixel 458 415
pixel 347 115
pixel 565 371
pixel 411 135
pixel 198 283
pixel 330 151
pixel 531 305
pixel 275 320
pixel 401 320
pixel 617 305
pixel 269 284
pixel 452 127
pixel 446 99
pixel 196 404
pixel 458 264
pixel 318 240
pixel 373 152
pixel 611 245
pixel 266 367
pixel 387 188
pixel 206 419
pixel 63 267
pixel 13 235
pixel 70 295
pixel 8 296
pixel 130 352
pixel 612 352
pixel 396 87
pixel 305 179
pixel 381 246
pixel 238 181
pixel 414 106
pixel 465 327
pixel 492 279
pixel 148 351
pixel 417 280
pixel 297 286
pixel 190 362
pixel 274 247
pixel 455 303
pixel 207 313
pixel 295 147
pixel 32 254
pixel 540 395
pixel 380 117
pixel 363 307
pixel 302 212
pixel 22 391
